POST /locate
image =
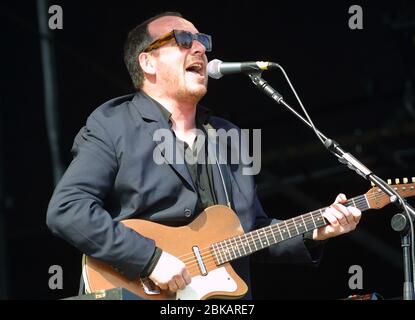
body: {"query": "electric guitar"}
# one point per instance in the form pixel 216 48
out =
pixel 210 242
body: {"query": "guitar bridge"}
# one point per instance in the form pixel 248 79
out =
pixel 149 286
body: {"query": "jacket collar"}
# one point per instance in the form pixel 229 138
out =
pixel 147 107
pixel 150 109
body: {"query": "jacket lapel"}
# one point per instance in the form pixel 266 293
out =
pixel 154 121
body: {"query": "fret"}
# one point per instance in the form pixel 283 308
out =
pixel 275 229
pixel 354 203
pixel 284 233
pixel 263 238
pixel 229 246
pixel 267 235
pixel 312 218
pixel 224 252
pixel 247 242
pixel 299 223
pixel 306 221
pixel 243 244
pixel 237 246
pixel 276 226
pixel 252 236
pixel 295 225
pixel 273 234
pixel 292 227
pixel 219 259
pixel 320 219
pixel 259 238
pixel 220 251
pixel 305 225
pixel 240 245
pixel 227 251
pixel 288 229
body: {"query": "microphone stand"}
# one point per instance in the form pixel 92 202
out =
pixel 353 164
pixel 400 224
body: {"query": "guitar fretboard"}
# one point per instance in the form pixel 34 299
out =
pixel 248 243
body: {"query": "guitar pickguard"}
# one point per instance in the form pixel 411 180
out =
pixel 216 280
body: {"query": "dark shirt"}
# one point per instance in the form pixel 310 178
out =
pixel 199 168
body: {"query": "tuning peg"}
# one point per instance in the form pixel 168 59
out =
pixel 413 179
pixel 405 180
pixel 389 181
pixel 397 181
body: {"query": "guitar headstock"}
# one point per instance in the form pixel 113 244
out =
pixel 378 199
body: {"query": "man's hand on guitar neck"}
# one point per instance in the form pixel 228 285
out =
pixel 170 273
pixel 342 220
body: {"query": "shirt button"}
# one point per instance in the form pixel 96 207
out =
pixel 188 213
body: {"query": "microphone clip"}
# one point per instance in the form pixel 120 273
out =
pixel 264 86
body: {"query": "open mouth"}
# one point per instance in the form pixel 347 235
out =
pixel 196 68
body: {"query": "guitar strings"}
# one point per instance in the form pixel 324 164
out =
pixel 256 239
pixel 209 260
pixel 359 201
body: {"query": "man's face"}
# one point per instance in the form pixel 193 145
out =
pixel 180 72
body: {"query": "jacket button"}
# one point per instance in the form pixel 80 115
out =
pixel 188 213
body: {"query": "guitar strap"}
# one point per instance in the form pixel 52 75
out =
pixel 223 168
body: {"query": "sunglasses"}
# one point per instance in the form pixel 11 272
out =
pixel 184 39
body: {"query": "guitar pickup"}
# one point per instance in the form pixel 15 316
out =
pixel 199 260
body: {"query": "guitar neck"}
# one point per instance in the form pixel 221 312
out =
pixel 248 243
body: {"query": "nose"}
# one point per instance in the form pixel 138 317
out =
pixel 198 48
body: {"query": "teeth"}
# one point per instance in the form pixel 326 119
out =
pixel 195 67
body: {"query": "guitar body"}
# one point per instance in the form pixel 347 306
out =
pixel 215 224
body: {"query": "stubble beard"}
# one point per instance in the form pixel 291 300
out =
pixel 191 95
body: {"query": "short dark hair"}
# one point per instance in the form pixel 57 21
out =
pixel 137 41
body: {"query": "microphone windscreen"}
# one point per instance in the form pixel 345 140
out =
pixel 213 69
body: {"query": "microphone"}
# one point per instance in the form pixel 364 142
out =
pixel 217 69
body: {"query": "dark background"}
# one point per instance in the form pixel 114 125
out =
pixel 358 86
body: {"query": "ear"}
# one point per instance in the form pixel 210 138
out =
pixel 147 63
